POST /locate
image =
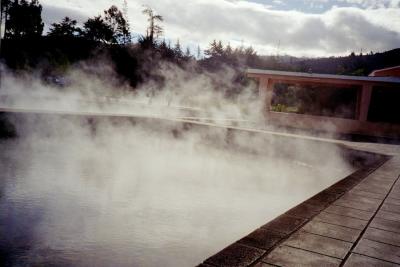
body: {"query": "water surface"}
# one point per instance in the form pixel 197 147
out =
pixel 133 196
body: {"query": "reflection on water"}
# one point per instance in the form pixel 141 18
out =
pixel 133 198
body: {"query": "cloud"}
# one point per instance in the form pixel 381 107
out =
pixel 338 30
pixel 52 14
pixel 373 3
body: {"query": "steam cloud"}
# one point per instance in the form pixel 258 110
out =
pixel 111 190
pixel 96 88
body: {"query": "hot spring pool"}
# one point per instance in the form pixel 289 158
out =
pixel 106 192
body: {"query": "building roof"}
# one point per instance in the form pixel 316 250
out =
pixel 321 77
pixel 392 72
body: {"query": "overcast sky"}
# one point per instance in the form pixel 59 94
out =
pixel 295 27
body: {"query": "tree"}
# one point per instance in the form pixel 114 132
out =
pixel 228 50
pixel 112 27
pixel 66 28
pixel 118 24
pixel 251 57
pixel 4 7
pixel 24 19
pixel 188 53
pixel 198 52
pixel 125 9
pixel 178 50
pixel 165 50
pixel 154 29
pixel 216 49
pixel 97 29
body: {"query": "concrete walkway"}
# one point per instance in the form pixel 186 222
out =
pixel 359 228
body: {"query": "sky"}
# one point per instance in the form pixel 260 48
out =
pixel 312 28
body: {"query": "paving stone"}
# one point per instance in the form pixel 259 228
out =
pixel 350 212
pixel 387 225
pixel 367 194
pixel 378 181
pixel 322 199
pixel 362 199
pixel 394 195
pixel 336 190
pixel 386 183
pixel 359 175
pixel 378 190
pixel 263 264
pixel 382 236
pixel 388 215
pixel 357 260
pixel 319 244
pixel 341 220
pixel 392 201
pixel 389 168
pixel 289 256
pixel 396 188
pixel 262 238
pixel 375 190
pixel 304 211
pixel 378 250
pixel 235 255
pixel 381 185
pixel 285 224
pixel 379 175
pixel 331 230
pixel 357 205
pixel 391 208
pixel 346 183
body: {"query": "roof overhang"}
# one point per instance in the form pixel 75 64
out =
pixel 322 78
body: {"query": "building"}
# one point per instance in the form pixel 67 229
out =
pixel 366 105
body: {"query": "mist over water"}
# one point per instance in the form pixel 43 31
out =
pixel 184 93
pixel 129 195
pixel 101 191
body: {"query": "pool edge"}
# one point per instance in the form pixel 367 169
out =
pixel 253 247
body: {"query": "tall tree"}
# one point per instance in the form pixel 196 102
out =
pixel 24 19
pixel 198 52
pixel 188 54
pixel 97 29
pixel 119 25
pixel 5 7
pixel 154 30
pixel 111 28
pixel 228 50
pixel 66 28
pixel 216 49
pixel 125 9
pixel 178 50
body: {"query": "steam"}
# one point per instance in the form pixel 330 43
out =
pixel 142 187
pixel 89 88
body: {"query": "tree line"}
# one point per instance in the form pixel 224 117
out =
pixel 22 20
pixel 109 34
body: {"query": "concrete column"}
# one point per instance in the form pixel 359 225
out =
pixel 266 90
pixel 363 102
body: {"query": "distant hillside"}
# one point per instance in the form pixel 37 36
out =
pixel 349 65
